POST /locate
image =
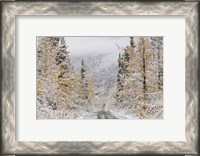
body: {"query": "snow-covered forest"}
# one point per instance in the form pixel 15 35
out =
pixel 120 78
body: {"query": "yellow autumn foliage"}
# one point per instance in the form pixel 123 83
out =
pixel 39 91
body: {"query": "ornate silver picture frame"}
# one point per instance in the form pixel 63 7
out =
pixel 11 9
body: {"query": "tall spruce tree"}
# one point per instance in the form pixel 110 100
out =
pixel 143 72
pixel 84 79
pixel 119 78
pixel 160 62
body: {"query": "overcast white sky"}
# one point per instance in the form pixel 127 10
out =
pixel 95 45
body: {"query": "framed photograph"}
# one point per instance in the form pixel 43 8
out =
pixel 93 77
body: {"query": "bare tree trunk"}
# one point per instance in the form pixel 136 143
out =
pixel 144 66
pixel 160 71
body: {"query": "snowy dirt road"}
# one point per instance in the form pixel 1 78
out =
pixel 105 115
pixel 99 115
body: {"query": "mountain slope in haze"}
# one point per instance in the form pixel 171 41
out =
pixel 103 67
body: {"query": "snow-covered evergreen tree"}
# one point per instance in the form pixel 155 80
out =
pixel 59 87
pixel 84 79
pixel 46 66
pixel 139 78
